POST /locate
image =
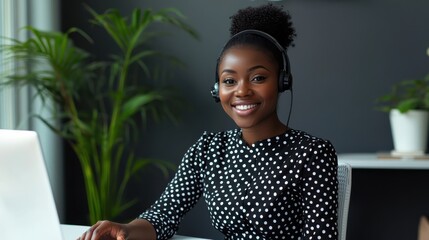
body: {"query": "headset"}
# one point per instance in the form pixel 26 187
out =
pixel 285 76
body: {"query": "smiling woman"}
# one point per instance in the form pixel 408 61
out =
pixel 263 180
pixel 248 92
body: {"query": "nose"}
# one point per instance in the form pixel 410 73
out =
pixel 243 89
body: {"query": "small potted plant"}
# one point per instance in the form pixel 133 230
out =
pixel 408 106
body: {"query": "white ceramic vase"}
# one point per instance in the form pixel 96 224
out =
pixel 409 132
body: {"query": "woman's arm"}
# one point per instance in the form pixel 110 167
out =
pixel 181 194
pixel 320 192
pixel 162 219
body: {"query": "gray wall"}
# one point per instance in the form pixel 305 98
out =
pixel 347 54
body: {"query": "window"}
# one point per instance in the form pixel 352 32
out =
pixel 13 101
pixel 17 103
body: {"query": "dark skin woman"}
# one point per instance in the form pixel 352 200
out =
pixel 263 180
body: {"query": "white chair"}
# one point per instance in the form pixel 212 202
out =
pixel 344 191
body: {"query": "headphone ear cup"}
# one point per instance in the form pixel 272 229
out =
pixel 285 81
pixel 286 73
pixel 288 81
pixel 281 81
pixel 215 92
pixel 215 89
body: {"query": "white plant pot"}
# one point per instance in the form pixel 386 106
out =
pixel 409 132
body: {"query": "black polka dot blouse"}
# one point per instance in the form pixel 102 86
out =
pixel 284 187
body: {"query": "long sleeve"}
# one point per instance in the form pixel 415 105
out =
pixel 180 195
pixel 320 191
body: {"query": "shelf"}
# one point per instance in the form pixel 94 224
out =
pixel 372 161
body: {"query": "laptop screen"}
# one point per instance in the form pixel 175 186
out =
pixel 27 207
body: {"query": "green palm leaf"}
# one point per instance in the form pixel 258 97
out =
pixel 98 102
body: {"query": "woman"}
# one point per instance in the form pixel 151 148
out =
pixel 263 180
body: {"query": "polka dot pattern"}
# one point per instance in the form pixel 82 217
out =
pixel 284 187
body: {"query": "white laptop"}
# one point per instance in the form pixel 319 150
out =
pixel 27 207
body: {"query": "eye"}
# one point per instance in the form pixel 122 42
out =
pixel 228 81
pixel 258 79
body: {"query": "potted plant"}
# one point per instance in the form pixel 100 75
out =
pixel 408 106
pixel 99 103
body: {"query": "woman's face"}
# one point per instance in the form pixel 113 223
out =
pixel 248 88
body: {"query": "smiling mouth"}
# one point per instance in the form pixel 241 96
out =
pixel 245 107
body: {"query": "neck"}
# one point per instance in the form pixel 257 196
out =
pixel 258 133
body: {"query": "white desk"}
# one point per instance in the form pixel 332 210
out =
pixel 370 161
pixel 72 232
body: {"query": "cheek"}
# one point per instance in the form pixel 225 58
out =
pixel 224 95
pixel 271 98
pixel 226 108
pixel 224 101
pixel 269 91
pixel 274 97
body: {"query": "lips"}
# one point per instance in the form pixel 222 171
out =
pixel 245 107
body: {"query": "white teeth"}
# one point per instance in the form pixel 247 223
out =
pixel 245 107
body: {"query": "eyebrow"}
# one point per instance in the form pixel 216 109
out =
pixel 249 70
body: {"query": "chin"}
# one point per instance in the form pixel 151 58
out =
pixel 244 124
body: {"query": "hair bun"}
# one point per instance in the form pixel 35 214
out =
pixel 267 18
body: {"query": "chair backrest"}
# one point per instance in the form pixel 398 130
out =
pixel 344 192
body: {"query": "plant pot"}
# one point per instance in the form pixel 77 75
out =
pixel 409 132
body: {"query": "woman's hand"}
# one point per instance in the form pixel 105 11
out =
pixel 106 230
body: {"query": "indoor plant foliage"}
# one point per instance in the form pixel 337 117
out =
pixel 407 95
pixel 98 103
pixel 408 107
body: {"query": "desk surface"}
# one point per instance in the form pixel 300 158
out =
pixel 371 161
pixel 72 232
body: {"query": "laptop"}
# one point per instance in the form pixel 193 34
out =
pixel 27 207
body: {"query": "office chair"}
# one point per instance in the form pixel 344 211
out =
pixel 344 191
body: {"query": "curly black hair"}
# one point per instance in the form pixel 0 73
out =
pixel 268 18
